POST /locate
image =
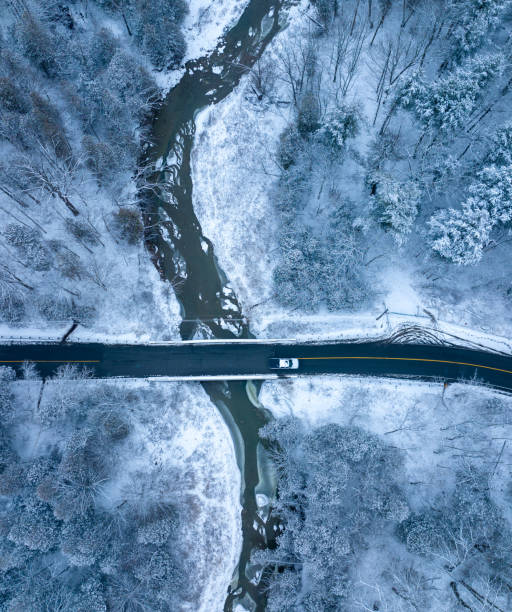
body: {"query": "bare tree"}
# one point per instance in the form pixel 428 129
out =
pixel 263 77
pixel 9 280
pixel 386 7
pixel 408 10
pixel 51 175
pixel 339 50
pixel 297 65
pixel 394 57
pixel 349 69
pixel 98 274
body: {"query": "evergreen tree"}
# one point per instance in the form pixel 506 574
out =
pixel 159 33
pixel 395 204
pixel 471 21
pixel 461 235
pixel 445 104
pixel 34 525
pixel 37 44
pixel 7 375
pixel 494 188
pixel 340 126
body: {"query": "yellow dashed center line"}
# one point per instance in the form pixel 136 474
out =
pixel 473 365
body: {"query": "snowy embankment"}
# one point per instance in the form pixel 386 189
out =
pixel 234 168
pixel 187 436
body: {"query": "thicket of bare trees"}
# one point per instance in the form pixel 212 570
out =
pixel 73 101
pixel 361 531
pixel 417 78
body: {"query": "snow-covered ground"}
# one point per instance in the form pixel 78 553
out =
pixel 187 436
pixel 207 20
pixel 231 154
pixel 234 171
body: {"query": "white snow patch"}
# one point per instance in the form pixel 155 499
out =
pixel 230 159
pixel 207 20
pixel 400 295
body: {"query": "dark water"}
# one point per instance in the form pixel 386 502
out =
pixel 186 258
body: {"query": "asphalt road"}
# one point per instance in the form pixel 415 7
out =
pixel 249 359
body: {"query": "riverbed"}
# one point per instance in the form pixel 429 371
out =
pixel 186 258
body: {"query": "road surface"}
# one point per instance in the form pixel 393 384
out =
pixel 250 359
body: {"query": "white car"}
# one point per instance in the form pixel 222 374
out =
pixel 283 363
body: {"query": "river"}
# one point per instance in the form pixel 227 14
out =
pixel 186 258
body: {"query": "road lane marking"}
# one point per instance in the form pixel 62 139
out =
pixel 473 365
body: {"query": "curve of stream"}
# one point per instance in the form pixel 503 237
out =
pixel 185 258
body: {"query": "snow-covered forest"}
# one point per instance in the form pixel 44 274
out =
pixel 394 496
pixel 373 142
pixel 113 495
pixel 356 175
pixel 78 81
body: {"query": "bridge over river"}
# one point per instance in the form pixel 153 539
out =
pixel 231 360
